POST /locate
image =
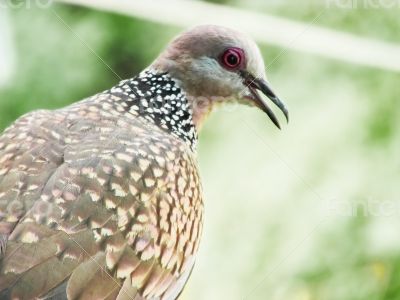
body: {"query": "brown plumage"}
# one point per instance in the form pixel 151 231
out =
pixel 102 199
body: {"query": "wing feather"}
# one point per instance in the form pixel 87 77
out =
pixel 91 207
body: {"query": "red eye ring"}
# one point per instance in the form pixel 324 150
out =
pixel 232 58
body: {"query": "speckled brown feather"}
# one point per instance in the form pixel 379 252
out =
pixel 98 199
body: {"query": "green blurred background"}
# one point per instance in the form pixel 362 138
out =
pixel 311 212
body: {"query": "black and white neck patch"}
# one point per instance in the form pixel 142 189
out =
pixel 158 98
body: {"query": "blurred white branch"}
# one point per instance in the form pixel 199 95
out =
pixel 7 58
pixel 264 28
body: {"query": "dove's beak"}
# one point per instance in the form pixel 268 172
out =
pixel 256 84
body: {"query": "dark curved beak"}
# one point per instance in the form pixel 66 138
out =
pixel 256 84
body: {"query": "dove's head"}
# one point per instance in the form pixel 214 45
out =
pixel 215 64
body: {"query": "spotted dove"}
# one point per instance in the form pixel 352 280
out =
pixel 102 199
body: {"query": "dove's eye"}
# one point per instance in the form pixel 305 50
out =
pixel 232 58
